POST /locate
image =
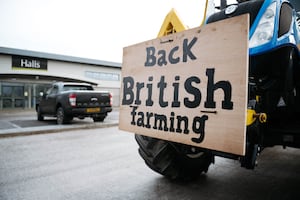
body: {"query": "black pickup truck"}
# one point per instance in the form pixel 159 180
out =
pixel 68 100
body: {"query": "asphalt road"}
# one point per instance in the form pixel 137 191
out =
pixel 104 164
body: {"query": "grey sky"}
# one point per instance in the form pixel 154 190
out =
pixel 90 28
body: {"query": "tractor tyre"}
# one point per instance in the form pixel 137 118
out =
pixel 290 77
pixel 289 83
pixel 172 160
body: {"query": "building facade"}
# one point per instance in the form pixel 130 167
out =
pixel 25 75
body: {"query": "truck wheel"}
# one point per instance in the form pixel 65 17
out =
pixel 172 160
pixel 40 117
pixel 99 119
pixel 61 118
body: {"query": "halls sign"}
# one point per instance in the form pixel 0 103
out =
pixel 24 62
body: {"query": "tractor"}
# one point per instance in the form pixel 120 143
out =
pixel 273 101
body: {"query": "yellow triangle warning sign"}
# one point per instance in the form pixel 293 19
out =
pixel 171 24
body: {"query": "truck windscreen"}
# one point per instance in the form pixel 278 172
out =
pixel 77 87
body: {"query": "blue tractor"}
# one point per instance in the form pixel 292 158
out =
pixel 274 72
pixel 274 91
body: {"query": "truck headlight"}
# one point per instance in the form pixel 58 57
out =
pixel 265 28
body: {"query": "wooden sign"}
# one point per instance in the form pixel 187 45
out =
pixel 189 87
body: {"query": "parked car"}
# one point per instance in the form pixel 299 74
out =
pixel 65 100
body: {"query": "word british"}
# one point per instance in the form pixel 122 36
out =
pixel 132 91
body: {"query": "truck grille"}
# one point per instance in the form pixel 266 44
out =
pixel 251 7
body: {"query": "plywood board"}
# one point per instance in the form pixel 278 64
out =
pixel 189 87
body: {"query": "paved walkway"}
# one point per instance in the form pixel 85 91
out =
pixel 24 122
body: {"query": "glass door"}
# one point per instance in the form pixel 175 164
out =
pixel 12 96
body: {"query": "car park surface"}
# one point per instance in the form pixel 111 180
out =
pixel 103 163
pixel 24 122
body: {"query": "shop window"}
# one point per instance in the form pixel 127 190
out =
pixel 18 91
pixel 7 91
